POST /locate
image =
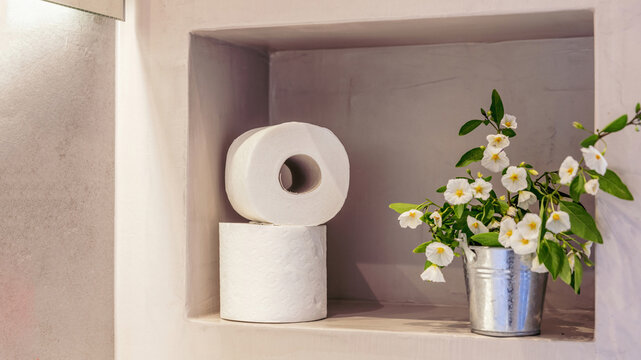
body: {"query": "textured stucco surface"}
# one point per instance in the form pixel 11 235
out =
pixel 152 117
pixel 56 182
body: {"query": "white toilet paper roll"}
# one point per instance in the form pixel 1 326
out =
pixel 271 273
pixel 288 174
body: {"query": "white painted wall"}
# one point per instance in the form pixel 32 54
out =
pixel 151 182
pixel 56 182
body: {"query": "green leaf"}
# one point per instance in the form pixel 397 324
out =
pixel 509 132
pixel 471 156
pixel 421 248
pixel 552 256
pixel 566 271
pixel 427 264
pixel 638 107
pixel 578 274
pixel 469 126
pixel 485 114
pixel 577 187
pixel 581 222
pixel 496 107
pixel 458 210
pixel 441 189
pixel 487 239
pixel 555 178
pixel 590 140
pixel 402 207
pixel 617 124
pixel 612 184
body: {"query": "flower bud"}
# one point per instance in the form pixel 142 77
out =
pixel 482 147
pixel 478 174
pixel 522 164
pixel 468 171
pixel 489 112
pixel 502 197
pixel 511 211
pixel 533 172
pixel 578 125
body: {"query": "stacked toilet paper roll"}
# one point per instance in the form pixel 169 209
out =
pixel 288 179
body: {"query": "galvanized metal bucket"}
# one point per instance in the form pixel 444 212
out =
pixel 505 296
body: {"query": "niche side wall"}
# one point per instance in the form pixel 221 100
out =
pixel 228 95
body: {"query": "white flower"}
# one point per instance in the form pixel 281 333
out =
pixel 508 226
pixel 433 273
pixel 458 192
pixel 476 227
pixel 559 221
pixel 587 249
pixel 515 179
pixel 494 224
pixel 568 170
pixel 511 211
pixel 436 217
pixel 498 141
pixel 594 159
pixel 509 121
pixel 481 189
pixel 469 254
pixel 411 218
pixel 523 245
pixel 439 254
pixel 592 186
pixel 537 266
pixel 530 226
pixel 526 199
pixel 494 159
pixel 571 260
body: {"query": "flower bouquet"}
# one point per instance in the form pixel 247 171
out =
pixel 556 236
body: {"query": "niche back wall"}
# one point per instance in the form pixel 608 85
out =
pixel 398 111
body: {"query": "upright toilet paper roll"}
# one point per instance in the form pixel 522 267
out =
pixel 272 273
pixel 288 174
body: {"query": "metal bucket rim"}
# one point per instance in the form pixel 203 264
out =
pixel 490 248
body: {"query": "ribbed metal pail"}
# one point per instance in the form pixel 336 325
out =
pixel 505 297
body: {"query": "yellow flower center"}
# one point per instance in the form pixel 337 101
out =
pixel 532 225
pixel 495 157
pixel 509 233
pixel 479 189
pixel 459 192
pixel 440 250
pixel 497 139
pixel 525 241
pixel 514 177
pixel 597 156
pixel 508 123
pixel 570 171
pixel 556 217
pixel 412 214
pixel 475 225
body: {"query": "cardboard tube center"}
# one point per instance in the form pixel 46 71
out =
pixel 299 174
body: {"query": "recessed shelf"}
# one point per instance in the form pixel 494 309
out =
pixel 403 324
pixel 384 88
pixel 573 325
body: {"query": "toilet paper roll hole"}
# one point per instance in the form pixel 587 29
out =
pixel 299 174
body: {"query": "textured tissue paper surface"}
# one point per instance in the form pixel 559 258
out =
pixel 272 273
pixel 318 172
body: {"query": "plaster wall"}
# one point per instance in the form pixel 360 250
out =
pixel 151 181
pixel 398 111
pixel 56 182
